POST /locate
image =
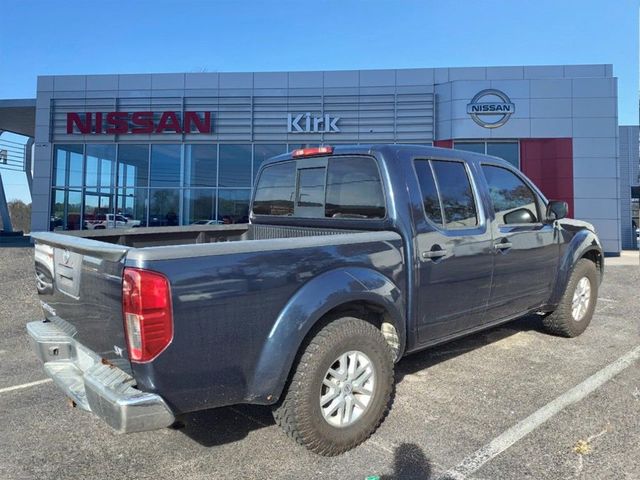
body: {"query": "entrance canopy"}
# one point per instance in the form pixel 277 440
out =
pixel 18 116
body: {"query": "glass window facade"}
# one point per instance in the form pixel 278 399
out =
pixel 200 205
pixel 201 165
pixel 154 184
pixel 165 166
pixel 233 205
pixel 235 166
pixel 509 151
pixel 68 165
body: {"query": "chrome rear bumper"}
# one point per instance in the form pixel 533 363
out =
pixel 103 389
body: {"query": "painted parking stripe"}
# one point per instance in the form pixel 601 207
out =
pixel 24 385
pixel 502 442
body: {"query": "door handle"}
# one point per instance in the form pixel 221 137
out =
pixel 503 245
pixel 434 253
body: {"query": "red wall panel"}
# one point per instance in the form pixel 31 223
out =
pixel 549 163
pixel 546 161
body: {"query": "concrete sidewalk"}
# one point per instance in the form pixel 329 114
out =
pixel 627 257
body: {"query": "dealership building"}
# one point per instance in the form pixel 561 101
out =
pixel 173 149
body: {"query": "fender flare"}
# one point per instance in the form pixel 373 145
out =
pixel 583 242
pixel 308 305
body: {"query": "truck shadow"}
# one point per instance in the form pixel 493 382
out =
pixel 224 425
pixel 446 351
pixel 219 426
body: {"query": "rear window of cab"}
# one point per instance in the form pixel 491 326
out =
pixel 331 187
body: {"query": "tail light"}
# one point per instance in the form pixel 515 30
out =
pixel 148 318
pixel 311 152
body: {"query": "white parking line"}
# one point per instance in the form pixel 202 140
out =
pixel 24 385
pixel 502 442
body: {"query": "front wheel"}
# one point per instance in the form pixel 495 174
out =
pixel 341 388
pixel 578 303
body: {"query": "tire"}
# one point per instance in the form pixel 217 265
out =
pixel 300 413
pixel 562 321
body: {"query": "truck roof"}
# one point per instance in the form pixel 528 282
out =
pixel 391 148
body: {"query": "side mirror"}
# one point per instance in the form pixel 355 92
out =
pixel 557 210
pixel 520 215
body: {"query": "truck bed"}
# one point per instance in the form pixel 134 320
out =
pixel 229 287
pixel 193 234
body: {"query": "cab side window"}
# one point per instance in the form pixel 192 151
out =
pixel 513 201
pixel 447 194
pixel 430 199
pixel 456 195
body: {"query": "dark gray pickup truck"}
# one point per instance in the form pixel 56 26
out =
pixel 354 257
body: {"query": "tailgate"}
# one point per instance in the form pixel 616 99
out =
pixel 79 284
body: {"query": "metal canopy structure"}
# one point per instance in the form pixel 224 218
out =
pixel 18 116
pixel 14 156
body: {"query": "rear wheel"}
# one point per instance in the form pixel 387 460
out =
pixel 578 303
pixel 341 388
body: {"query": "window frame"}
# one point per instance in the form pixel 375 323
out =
pixel 486 143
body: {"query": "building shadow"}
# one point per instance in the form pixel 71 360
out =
pixel 409 463
pixel 18 244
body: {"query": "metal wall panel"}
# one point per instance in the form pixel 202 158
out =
pixel 363 118
pixel 629 171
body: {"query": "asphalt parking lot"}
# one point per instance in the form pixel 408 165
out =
pixel 490 406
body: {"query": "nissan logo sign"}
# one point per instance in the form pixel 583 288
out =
pixel 490 108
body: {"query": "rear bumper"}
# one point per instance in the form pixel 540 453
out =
pixel 103 389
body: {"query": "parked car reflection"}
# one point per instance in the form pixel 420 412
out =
pixel 44 268
pixel 109 220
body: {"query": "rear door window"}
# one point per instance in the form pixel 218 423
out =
pixel 354 189
pixel 430 200
pixel 456 194
pixel 447 195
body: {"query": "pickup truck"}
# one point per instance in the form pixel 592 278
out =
pixel 109 220
pixel 354 257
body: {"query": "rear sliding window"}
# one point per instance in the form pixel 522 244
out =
pixel 354 189
pixel 348 187
pixel 275 190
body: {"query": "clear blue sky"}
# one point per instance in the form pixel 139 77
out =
pixel 80 37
